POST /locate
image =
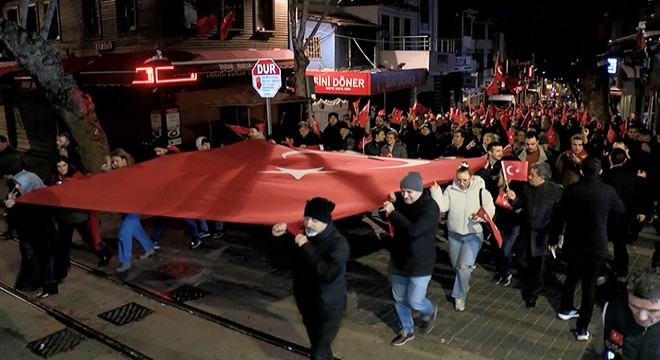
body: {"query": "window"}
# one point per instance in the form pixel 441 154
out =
pixel 91 17
pixel 313 49
pixel 424 11
pixel 407 27
pixel 11 14
pixel 32 20
pixel 126 15
pixel 385 25
pixel 54 31
pixel 396 27
pixel 264 16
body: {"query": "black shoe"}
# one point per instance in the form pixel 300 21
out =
pixel 195 243
pixel 429 322
pixel 217 235
pixel 105 260
pixel 497 278
pixel 402 338
pixel 204 234
pixel 506 279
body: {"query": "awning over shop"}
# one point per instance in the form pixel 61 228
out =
pixel 231 95
pixel 366 83
pixel 222 63
pixel 120 69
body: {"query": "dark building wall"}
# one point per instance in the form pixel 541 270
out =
pixel 159 25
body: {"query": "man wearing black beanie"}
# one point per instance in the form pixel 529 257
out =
pixel 413 215
pixel 319 274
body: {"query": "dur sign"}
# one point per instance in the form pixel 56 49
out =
pixel 266 78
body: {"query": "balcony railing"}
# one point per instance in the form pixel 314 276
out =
pixel 419 43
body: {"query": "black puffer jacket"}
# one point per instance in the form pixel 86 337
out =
pixel 319 269
pixel 413 247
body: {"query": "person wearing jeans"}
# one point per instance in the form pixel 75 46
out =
pixel 461 200
pixel 413 216
pixel 131 228
pixel 159 227
pixel 218 227
pixel 130 225
pixel 409 293
pixel 463 250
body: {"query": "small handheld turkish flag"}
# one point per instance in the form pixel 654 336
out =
pixel 515 170
pixel 482 214
pixel 503 200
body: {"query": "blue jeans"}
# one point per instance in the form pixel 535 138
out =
pixel 505 253
pixel 204 227
pixel 463 250
pixel 410 293
pixel 131 228
pixel 159 226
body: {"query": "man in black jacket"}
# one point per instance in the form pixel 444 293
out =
pixel 412 254
pixel 583 209
pixel 538 200
pixel 319 274
pixel 631 328
pixel 623 229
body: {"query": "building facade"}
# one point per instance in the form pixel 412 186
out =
pixel 157 70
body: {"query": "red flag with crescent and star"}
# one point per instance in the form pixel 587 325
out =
pixel 482 214
pixel 362 117
pixel 611 134
pixel 499 70
pixel 227 23
pixel 503 200
pixel 551 135
pixel 492 88
pixel 250 182
pixel 515 170
pixel 508 150
pixel 396 116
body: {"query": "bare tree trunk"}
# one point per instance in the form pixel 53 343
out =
pixel 298 17
pixel 75 107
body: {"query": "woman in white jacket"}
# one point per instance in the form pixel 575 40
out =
pixel 462 199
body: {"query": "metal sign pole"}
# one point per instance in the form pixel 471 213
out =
pixel 269 122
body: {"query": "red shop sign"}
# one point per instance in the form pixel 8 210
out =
pixel 341 82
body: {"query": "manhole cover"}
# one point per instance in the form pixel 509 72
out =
pixel 125 314
pixel 187 293
pixel 61 341
pixel 176 270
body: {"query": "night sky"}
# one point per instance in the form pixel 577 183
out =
pixel 558 32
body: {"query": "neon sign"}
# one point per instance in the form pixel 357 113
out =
pixel 161 75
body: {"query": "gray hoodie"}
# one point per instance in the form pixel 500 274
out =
pixel 28 181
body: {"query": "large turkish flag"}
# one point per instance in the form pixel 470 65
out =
pixel 252 181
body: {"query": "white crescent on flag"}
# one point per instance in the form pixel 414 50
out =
pixel 511 173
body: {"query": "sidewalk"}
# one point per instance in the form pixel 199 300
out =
pixel 245 288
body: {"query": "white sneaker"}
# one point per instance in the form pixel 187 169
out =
pixel 124 267
pixel 567 315
pixel 459 304
pixel 582 335
pixel 148 254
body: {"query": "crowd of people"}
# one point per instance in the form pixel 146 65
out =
pixel 590 182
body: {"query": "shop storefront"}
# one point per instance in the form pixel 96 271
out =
pixel 385 89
